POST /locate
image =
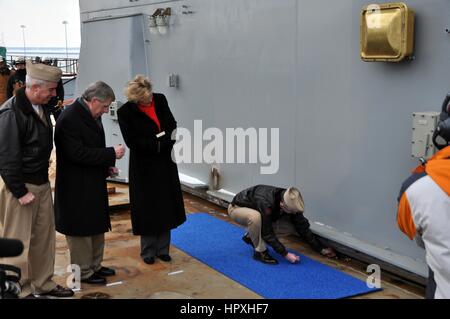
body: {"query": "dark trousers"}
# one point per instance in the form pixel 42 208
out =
pixel 155 245
pixel 431 285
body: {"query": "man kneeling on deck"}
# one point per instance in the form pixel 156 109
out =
pixel 258 207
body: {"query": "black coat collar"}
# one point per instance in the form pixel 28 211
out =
pixel 158 110
pixel 23 103
pixel 87 117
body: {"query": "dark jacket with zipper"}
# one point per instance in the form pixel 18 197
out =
pixel 82 163
pixel 155 193
pixel 266 200
pixel 26 143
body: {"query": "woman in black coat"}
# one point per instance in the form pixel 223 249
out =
pixel 156 200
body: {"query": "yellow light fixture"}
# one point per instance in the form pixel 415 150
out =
pixel 387 32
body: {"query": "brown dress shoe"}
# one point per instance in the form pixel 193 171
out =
pixel 60 292
pixel 265 257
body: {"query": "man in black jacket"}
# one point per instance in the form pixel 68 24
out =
pixel 83 162
pixel 258 207
pixel 26 210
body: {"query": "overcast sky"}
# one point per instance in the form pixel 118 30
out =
pixel 43 23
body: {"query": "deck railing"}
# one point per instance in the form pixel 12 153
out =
pixel 69 66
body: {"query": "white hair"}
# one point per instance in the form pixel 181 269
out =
pixel 30 81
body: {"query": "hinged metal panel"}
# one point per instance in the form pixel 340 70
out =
pixel 387 32
pixel 424 124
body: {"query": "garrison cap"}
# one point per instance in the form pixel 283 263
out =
pixel 43 72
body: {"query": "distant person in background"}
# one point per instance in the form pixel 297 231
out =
pixel 156 199
pixel 17 79
pixel 4 76
pixel 258 207
pixel 56 102
pixel 83 162
pixel 26 206
pixel 3 62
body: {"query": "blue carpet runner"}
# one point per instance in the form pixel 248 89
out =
pixel 218 244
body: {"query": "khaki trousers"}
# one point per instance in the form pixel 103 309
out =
pixel 251 219
pixel 86 252
pixel 34 225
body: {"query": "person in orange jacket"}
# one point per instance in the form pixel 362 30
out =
pixel 424 213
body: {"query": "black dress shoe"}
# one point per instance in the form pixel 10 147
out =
pixel 165 257
pixel 59 291
pixel 149 260
pixel 265 257
pixel 95 280
pixel 247 240
pixel 105 272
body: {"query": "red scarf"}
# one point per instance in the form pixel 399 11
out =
pixel 149 110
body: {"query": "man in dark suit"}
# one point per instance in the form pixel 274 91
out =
pixel 83 164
